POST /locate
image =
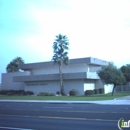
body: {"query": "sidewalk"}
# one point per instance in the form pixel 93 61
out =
pixel 123 98
pixel 103 102
pixel 118 101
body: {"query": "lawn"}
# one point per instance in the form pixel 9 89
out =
pixel 68 98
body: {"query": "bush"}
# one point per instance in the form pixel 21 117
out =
pixel 10 92
pixel 101 90
pixel 19 92
pixel 4 92
pixel 89 92
pixel 7 92
pixel 29 93
pixel 15 92
pixel 43 94
pixel 96 91
pixel 58 93
pixel 73 92
pixel 52 94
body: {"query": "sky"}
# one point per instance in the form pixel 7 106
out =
pixel 95 28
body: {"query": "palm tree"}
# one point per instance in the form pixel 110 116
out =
pixel 13 65
pixel 60 47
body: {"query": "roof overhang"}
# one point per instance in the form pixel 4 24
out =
pixel 53 77
pixel 88 60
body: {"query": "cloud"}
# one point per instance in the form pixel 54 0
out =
pixel 94 28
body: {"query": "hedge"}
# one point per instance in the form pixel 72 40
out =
pixel 96 91
pixel 73 92
pixel 15 92
pixel 101 90
pixel 89 92
pixel 45 94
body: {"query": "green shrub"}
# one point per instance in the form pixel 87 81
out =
pixel 4 92
pixel 101 90
pixel 43 94
pixel 73 92
pixel 51 94
pixel 89 92
pixel 96 91
pixel 19 92
pixel 15 92
pixel 24 93
pixel 58 93
pixel 10 92
pixel 29 92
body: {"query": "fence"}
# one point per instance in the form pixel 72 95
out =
pixel 122 88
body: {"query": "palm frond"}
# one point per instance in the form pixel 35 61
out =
pixel 60 47
pixel 13 65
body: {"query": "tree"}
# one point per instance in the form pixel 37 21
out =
pixel 111 75
pixel 126 72
pixel 13 65
pixel 60 48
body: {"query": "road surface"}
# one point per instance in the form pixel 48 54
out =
pixel 45 116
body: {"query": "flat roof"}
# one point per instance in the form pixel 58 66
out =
pixel 87 60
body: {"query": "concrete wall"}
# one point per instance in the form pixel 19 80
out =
pixel 74 84
pixel 75 68
pixel 55 69
pixel 94 68
pixel 92 75
pixel 89 84
pixel 7 81
pixel 46 86
pixel 99 84
pixel 54 86
pixel 108 88
pixel 46 70
pixel 98 61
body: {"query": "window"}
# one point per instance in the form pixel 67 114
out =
pixel 89 86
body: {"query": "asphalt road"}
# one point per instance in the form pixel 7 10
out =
pixel 44 116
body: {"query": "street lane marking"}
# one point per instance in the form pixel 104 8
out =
pixel 70 118
pixel 57 107
pixel 85 111
pixel 65 118
pixel 70 111
pixel 97 112
pixel 12 128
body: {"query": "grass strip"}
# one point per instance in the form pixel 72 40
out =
pixel 68 98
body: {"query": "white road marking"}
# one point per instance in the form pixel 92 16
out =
pixel 12 128
pixel 57 107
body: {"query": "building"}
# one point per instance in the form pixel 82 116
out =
pixel 80 74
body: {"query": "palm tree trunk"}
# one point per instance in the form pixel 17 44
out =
pixel 113 89
pixel 62 91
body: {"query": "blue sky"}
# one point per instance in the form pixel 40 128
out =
pixel 96 28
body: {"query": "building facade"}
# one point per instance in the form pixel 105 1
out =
pixel 80 74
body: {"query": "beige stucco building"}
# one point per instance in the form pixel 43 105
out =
pixel 80 74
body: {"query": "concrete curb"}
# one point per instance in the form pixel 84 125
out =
pixel 104 102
